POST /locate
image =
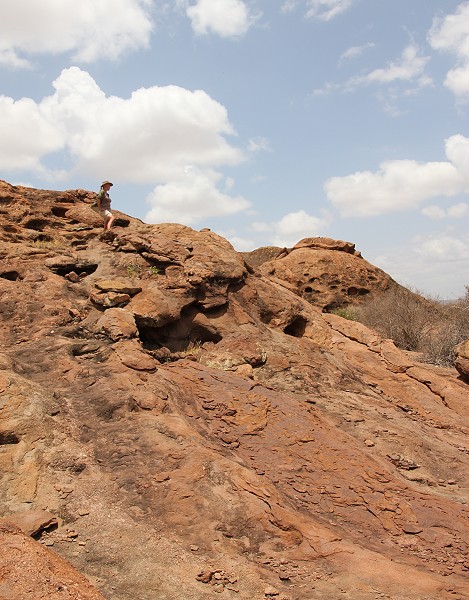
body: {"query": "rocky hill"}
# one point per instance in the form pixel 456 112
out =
pixel 181 422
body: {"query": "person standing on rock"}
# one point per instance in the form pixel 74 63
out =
pixel 103 205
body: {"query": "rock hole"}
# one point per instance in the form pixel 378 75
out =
pixel 10 229
pixel 266 316
pixel 121 222
pixel 353 291
pixel 297 327
pixel 67 268
pixel 36 224
pixel 178 335
pixel 10 275
pixel 8 437
pixel 59 211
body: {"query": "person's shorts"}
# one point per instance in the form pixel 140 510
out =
pixel 104 213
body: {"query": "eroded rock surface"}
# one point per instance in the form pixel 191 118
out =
pixel 200 429
pixel 328 273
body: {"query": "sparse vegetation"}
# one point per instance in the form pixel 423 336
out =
pixel 49 244
pixel 194 348
pixel 416 323
pixel 137 270
pixel 153 270
pixel 134 270
pixel 346 313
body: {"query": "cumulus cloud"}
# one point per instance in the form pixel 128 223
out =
pixel 226 18
pixel 26 136
pixel 442 248
pixel 401 184
pixel 87 29
pixel 150 136
pixel 191 199
pixel 451 34
pixel 423 263
pixel 166 136
pixel 241 244
pixel 291 228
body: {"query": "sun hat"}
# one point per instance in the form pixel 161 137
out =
pixel 105 182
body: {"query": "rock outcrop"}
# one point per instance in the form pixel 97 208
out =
pixel 327 273
pixel 199 429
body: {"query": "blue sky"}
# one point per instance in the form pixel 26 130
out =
pixel 266 120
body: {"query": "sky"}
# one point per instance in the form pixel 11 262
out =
pixel 267 121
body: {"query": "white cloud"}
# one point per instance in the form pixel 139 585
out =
pixel 355 51
pixel 442 248
pixel 319 9
pixel 437 263
pixel 240 244
pixel 289 5
pixel 457 151
pixel 326 9
pixel 401 184
pixel 226 18
pixel 434 212
pixel 327 89
pixel 191 199
pixel 88 29
pixel 260 144
pixel 410 66
pixel 26 135
pixel 403 77
pixel 456 211
pixel 291 228
pixel 451 34
pixel 150 137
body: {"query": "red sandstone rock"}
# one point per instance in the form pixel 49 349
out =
pixel 220 410
pixel 30 571
pixel 328 273
pixel 31 522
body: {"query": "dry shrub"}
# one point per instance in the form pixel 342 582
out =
pixel 417 323
pixel 451 329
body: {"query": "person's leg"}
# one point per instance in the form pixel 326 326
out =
pixel 108 219
pixel 108 223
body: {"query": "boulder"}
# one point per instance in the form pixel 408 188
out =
pixel 31 522
pixel 327 273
